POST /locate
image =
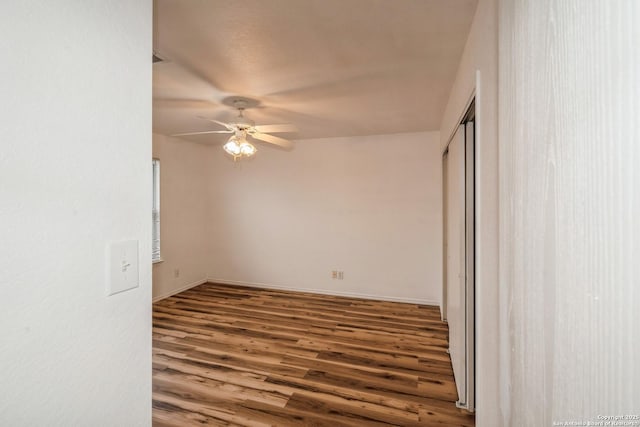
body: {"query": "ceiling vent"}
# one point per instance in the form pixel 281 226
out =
pixel 157 58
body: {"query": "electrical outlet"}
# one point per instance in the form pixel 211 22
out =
pixel 176 273
pixel 334 274
pixel 340 275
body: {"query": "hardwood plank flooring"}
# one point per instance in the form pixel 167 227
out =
pixel 237 356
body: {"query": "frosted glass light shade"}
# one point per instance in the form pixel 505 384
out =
pixel 247 149
pixel 238 146
pixel 232 147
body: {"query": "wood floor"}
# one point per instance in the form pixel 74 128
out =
pixel 228 355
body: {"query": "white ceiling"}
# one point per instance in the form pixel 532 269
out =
pixel 330 67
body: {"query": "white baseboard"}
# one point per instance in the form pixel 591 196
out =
pixel 326 292
pixel 180 289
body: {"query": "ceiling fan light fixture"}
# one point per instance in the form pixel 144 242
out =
pixel 242 128
pixel 247 149
pixel 238 146
pixel 232 147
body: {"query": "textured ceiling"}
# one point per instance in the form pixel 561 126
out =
pixel 330 67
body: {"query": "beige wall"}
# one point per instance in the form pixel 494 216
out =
pixel 287 219
pixel 369 206
pixel 478 73
pixel 184 207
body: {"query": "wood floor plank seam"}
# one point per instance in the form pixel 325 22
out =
pixel 240 356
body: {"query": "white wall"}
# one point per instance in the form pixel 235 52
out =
pixel 184 183
pixel 569 155
pixel 75 80
pixel 478 72
pixel 369 206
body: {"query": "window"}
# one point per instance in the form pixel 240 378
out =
pixel 155 213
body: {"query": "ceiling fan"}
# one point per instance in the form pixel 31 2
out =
pixel 242 128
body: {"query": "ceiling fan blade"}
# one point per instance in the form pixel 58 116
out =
pixel 272 139
pixel 276 128
pixel 216 121
pixel 187 104
pixel 202 133
pixel 172 79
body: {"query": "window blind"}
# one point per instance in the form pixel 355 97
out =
pixel 155 213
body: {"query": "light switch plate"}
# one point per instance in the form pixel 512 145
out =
pixel 122 266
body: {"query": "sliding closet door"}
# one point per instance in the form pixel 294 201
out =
pixel 456 259
pixel 469 401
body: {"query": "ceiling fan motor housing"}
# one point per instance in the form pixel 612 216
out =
pixel 241 122
pixel 241 104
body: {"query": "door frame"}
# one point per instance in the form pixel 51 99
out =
pixel 468 119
